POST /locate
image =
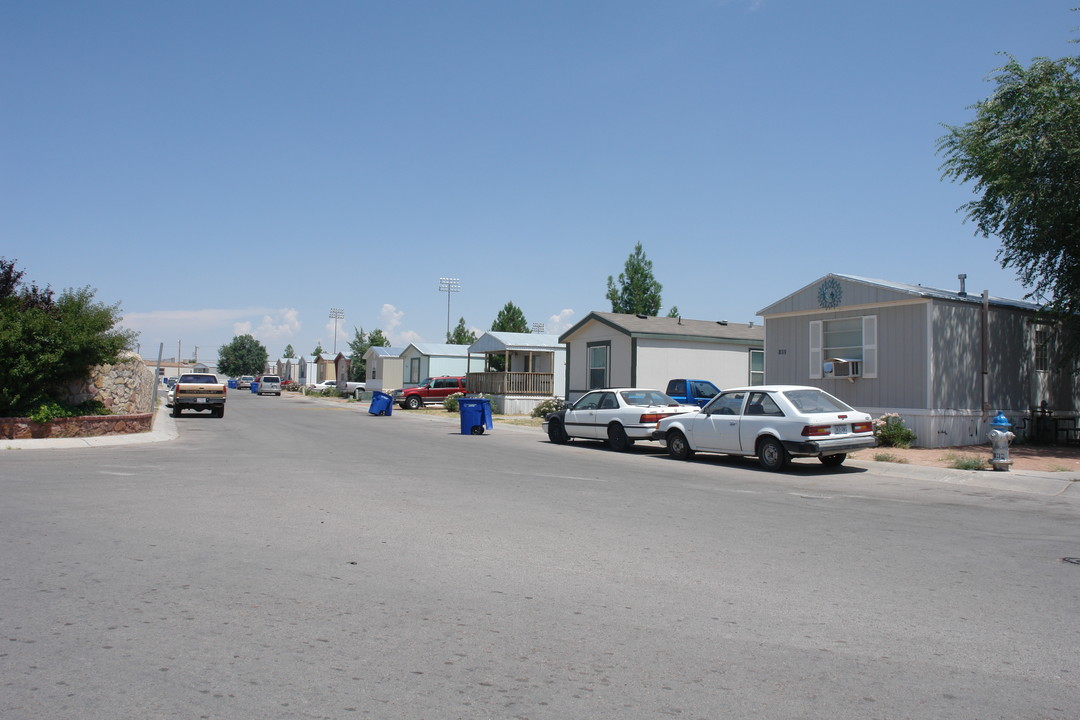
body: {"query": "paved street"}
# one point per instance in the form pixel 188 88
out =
pixel 303 559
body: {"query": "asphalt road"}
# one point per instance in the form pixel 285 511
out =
pixel 303 559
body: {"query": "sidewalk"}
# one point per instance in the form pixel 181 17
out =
pixel 164 429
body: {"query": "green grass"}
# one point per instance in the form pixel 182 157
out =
pixel 965 462
pixel 889 457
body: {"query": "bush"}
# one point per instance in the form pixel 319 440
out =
pixel 890 431
pixel 450 402
pixel 548 406
pixel 53 410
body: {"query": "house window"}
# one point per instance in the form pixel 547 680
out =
pixel 757 367
pixel 598 365
pixel 414 370
pixel 1042 350
pixel 853 338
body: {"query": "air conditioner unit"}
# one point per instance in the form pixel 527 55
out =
pixel 839 367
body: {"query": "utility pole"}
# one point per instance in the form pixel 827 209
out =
pixel 449 285
pixel 336 314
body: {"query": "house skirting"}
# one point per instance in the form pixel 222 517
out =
pixel 952 428
pixel 516 404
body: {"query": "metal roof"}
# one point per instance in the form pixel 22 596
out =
pixel 495 341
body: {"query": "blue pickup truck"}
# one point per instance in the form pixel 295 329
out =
pixel 691 392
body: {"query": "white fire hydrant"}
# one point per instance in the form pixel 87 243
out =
pixel 1000 437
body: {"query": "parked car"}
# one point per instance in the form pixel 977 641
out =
pixel 431 391
pixel 772 422
pixel 691 392
pixel 269 385
pixel 325 385
pixel 244 383
pixel 618 415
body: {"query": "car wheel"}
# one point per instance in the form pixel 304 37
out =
pixel 220 412
pixel 557 433
pixel 833 460
pixel 616 438
pixel 772 455
pixel 678 447
pixel 413 402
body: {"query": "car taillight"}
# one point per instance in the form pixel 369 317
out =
pixel 816 430
pixel 862 427
pixel 652 417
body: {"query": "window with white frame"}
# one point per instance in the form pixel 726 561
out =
pixel 598 365
pixel 1042 350
pixel 852 338
pixel 757 367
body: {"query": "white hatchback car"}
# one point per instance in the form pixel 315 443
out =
pixel 618 415
pixel 773 422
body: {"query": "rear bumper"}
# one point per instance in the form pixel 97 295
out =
pixel 829 447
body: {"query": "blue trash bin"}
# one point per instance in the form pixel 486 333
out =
pixel 381 404
pixel 475 415
pixel 255 387
pixel 232 383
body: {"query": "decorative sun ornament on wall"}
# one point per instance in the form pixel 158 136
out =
pixel 830 293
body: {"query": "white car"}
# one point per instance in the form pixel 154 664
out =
pixel 773 422
pixel 618 415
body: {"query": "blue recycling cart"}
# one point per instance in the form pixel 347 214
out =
pixel 255 387
pixel 232 383
pixel 475 415
pixel 381 404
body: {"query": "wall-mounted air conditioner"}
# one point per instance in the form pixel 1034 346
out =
pixel 842 368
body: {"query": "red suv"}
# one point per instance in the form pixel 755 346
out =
pixel 431 391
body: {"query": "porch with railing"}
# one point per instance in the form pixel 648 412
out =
pixel 512 383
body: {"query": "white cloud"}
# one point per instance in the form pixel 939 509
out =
pixel 559 322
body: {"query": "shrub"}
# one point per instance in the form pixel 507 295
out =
pixel 53 410
pixel 548 406
pixel 450 402
pixel 890 431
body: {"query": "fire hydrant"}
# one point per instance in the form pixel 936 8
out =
pixel 1000 437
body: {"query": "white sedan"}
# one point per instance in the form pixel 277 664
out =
pixel 618 415
pixel 775 423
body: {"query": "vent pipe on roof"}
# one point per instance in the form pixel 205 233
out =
pixel 721 322
pixel 963 291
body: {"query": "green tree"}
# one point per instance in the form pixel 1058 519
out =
pixel 461 335
pixel 243 356
pixel 674 312
pixel 318 350
pixel 638 292
pixel 358 347
pixel 1021 154
pixel 510 319
pixel 46 343
pixel 289 352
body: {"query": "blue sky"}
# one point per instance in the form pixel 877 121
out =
pixel 228 167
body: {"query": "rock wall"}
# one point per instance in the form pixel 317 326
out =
pixel 89 426
pixel 125 388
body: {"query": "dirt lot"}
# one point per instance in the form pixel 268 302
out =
pixel 1048 458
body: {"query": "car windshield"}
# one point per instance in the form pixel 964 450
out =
pixel 704 389
pixel 646 398
pixel 271 378
pixel 815 401
pixel 186 379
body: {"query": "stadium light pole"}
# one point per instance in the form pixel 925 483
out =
pixel 336 314
pixel 449 285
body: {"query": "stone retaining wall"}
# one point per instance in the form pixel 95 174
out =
pixel 125 388
pixel 87 426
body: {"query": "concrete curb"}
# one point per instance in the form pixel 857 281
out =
pixel 164 429
pixel 1056 484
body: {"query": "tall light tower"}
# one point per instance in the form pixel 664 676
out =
pixel 448 286
pixel 336 314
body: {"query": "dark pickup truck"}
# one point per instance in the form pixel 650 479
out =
pixel 691 392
